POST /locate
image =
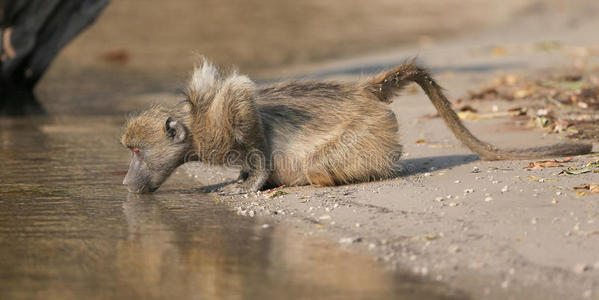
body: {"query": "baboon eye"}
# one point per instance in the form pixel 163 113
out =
pixel 135 149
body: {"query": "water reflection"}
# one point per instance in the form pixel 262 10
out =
pixel 69 230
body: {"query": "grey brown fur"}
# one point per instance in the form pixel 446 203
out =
pixel 294 133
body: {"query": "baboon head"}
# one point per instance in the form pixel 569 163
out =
pixel 159 142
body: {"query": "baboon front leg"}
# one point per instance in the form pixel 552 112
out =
pixel 253 176
pixel 255 180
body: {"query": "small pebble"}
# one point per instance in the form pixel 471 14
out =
pixel 349 240
pixel 439 199
pixel 453 249
pixel 475 170
pixel 504 189
pixel 468 191
pixel 580 268
pixel 558 193
pixel 427 174
pixel 371 246
pixel 453 204
pixel 324 217
pixel 533 221
pixel 488 199
pixel 457 181
pixel 265 225
pixel 554 201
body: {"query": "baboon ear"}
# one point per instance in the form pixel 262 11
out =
pixel 175 131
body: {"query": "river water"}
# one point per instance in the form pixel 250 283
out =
pixel 70 230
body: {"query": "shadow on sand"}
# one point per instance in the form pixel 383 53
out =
pixel 420 165
pixel 406 167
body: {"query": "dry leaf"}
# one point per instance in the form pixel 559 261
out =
pixel 468 108
pixel 490 92
pixel 537 165
pixel 590 167
pixel 560 125
pixel 275 194
pixel 517 111
pixel 587 189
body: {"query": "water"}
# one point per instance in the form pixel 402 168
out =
pixel 69 230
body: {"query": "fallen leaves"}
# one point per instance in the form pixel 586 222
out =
pixel 590 167
pixel 275 192
pixel 584 129
pixel 517 111
pixel 560 126
pixel 567 98
pixel 468 108
pixel 537 165
pixel 586 189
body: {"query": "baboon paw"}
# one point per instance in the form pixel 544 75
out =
pixel 232 189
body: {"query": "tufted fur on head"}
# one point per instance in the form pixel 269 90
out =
pixel 148 127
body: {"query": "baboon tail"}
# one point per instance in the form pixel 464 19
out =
pixel 389 83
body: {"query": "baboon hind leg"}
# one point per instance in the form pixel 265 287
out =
pixel 341 164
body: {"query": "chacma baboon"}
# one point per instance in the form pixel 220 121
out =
pixel 292 133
